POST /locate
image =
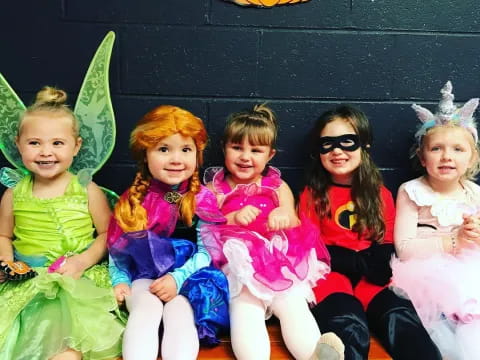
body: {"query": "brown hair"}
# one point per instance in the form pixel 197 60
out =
pixel 258 125
pixel 366 179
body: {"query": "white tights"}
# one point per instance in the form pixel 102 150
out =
pixel 249 334
pixel 140 340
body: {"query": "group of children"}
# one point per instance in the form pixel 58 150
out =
pixel 191 260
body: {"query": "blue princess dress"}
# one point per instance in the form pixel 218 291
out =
pixel 165 247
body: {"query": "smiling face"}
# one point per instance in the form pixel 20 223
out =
pixel 173 160
pixel 245 162
pixel 47 144
pixel 338 161
pixel 447 153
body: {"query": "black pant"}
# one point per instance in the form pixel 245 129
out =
pixel 343 314
pixel 395 323
pixel 391 319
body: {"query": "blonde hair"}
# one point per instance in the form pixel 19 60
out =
pixel 472 171
pixel 258 126
pixel 53 101
pixel 161 122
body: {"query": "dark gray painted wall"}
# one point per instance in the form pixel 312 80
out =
pixel 214 58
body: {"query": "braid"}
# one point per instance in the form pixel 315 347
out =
pixel 129 212
pixel 187 204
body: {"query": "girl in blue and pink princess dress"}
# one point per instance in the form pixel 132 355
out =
pixel 159 265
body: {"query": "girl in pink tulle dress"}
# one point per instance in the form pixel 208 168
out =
pixel 437 230
pixel 271 261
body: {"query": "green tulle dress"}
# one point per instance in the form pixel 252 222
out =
pixel 50 313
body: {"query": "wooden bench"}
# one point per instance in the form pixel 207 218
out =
pixel 223 351
pixel 278 349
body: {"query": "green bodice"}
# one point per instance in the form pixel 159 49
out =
pixel 51 227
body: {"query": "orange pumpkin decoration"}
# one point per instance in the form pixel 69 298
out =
pixel 266 3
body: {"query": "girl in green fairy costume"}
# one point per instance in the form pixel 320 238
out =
pixel 58 227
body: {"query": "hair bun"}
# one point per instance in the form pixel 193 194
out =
pixel 265 112
pixel 50 96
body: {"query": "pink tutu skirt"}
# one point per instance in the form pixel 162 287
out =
pixel 445 291
pixel 268 263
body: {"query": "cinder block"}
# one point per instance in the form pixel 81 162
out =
pixel 189 61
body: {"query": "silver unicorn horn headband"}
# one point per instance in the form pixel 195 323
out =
pixel 447 114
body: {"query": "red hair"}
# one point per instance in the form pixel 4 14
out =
pixel 161 122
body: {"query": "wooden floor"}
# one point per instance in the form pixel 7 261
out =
pixel 278 350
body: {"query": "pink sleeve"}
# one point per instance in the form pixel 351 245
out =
pixel 409 243
pixel 114 231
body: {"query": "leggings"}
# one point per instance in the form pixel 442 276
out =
pixel 249 334
pixel 140 340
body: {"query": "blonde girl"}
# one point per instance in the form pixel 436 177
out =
pixel 63 312
pixel 437 230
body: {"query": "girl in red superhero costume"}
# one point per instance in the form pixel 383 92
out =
pixel 344 195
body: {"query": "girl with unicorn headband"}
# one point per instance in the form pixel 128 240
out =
pixel 437 229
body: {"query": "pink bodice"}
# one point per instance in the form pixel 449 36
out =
pixel 263 197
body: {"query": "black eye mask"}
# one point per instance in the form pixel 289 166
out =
pixel 347 142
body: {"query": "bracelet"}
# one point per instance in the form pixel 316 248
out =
pixel 454 244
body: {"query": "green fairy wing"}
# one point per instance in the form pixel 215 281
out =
pixel 95 113
pixel 112 197
pixel 11 107
pixel 97 121
pixel 10 177
pixel 84 177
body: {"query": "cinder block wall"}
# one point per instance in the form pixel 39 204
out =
pixel 213 57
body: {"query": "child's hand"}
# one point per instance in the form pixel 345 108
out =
pixel 475 219
pixel 74 266
pixel 121 291
pixel 246 215
pixel 164 287
pixel 3 276
pixel 469 232
pixel 279 218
